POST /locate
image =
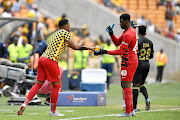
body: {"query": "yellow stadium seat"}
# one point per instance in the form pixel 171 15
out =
pixel 177 19
pixel 152 7
pixel 132 1
pixel 125 3
pixel 143 7
pixel 132 7
pixel 141 12
pixel 162 8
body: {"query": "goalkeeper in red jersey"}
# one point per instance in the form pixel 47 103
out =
pixel 134 25
pixel 128 53
pixel 48 68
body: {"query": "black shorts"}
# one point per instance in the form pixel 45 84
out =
pixel 141 73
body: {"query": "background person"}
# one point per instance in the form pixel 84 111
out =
pixel 24 52
pixel 109 60
pixel 13 49
pixel 4 53
pixel 161 60
pixel 145 52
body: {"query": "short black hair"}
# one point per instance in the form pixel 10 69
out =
pixel 142 29
pixel 63 22
pixel 125 17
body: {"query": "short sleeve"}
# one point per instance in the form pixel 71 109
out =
pixel 67 35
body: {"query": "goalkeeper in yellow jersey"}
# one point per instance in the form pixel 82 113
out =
pixel 48 68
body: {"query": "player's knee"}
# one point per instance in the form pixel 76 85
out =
pixel 140 86
pixel 136 85
pixel 57 86
pixel 54 83
pixel 40 82
pixel 126 84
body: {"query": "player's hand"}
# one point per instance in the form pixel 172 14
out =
pixel 82 42
pixel 101 51
pixel 109 29
pixel 92 48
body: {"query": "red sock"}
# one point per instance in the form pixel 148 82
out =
pixel 128 99
pixel 132 104
pixel 32 92
pixel 54 97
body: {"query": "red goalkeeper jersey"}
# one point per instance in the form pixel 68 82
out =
pixel 128 48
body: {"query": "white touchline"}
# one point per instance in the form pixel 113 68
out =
pixel 33 113
pixel 68 111
pixel 6 110
pixel 115 114
pixel 158 110
pixel 87 117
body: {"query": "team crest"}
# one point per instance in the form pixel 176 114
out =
pixel 124 72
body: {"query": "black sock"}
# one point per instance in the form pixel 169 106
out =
pixel 144 92
pixel 135 96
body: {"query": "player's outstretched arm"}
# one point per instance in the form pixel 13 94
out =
pixel 75 46
pixel 87 48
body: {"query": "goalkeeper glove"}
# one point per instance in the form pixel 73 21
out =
pixel 109 29
pixel 101 51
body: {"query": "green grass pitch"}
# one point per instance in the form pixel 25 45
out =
pixel 164 98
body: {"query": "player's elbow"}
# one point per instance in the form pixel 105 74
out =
pixel 76 47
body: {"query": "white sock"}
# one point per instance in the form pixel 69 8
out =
pixel 124 104
pixel 148 99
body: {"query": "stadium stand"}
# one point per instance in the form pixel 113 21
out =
pixel 152 10
pixel 29 9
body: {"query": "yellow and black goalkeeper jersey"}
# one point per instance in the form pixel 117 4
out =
pixel 57 45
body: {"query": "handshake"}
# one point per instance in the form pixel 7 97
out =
pixel 99 51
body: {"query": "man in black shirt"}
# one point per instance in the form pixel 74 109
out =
pixel 145 52
pixel 4 53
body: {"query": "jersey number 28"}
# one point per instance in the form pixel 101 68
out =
pixel 144 54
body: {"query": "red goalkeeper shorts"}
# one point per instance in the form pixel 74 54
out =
pixel 48 70
pixel 127 73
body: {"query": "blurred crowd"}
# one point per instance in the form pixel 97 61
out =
pixel 20 46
